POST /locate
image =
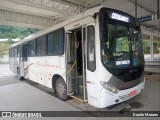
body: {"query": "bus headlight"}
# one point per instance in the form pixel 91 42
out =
pixel 109 87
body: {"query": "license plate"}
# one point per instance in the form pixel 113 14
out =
pixel 133 93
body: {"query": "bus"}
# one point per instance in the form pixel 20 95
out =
pixel 95 57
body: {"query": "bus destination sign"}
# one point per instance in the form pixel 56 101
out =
pixel 117 16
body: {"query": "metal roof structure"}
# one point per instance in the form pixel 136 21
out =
pixel 44 13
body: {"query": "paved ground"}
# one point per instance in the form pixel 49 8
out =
pixel 27 95
pixel 19 95
pixel 153 67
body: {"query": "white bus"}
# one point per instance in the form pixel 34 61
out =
pixel 95 57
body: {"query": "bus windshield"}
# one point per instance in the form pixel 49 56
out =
pixel 123 48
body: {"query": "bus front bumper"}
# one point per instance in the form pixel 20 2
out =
pixel 108 98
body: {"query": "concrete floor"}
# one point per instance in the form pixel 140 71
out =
pixel 26 95
pixel 18 95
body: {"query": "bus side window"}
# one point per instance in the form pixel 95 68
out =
pixel 9 52
pixel 32 48
pixel 17 51
pixel 24 51
pixel 50 39
pixel 91 59
pixel 41 46
pixel 55 42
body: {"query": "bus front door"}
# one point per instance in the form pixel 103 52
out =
pixel 75 61
pixel 25 58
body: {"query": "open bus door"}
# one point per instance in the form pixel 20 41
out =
pixel 20 72
pixel 76 63
pixel 22 60
pixel 25 59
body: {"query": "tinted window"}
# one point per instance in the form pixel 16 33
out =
pixel 25 51
pixel 41 46
pixel 12 52
pixel 9 52
pixel 91 62
pixel 32 48
pixel 15 52
pixel 55 42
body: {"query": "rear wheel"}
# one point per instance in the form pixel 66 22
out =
pixel 61 89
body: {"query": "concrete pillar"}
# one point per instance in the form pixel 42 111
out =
pixel 151 44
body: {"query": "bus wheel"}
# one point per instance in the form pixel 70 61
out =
pixel 61 89
pixel 18 74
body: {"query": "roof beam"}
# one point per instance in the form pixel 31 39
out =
pixel 30 4
pixel 93 3
pixel 67 2
pixel 18 11
pixel 25 20
pixel 142 6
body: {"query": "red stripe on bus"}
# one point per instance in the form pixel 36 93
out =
pixel 88 81
pixel 28 66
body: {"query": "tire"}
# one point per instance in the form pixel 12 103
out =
pixel 18 74
pixel 61 89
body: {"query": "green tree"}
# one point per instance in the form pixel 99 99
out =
pixel 10 32
pixel 146 46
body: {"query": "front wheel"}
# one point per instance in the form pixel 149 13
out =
pixel 61 89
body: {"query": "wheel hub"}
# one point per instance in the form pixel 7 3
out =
pixel 61 89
